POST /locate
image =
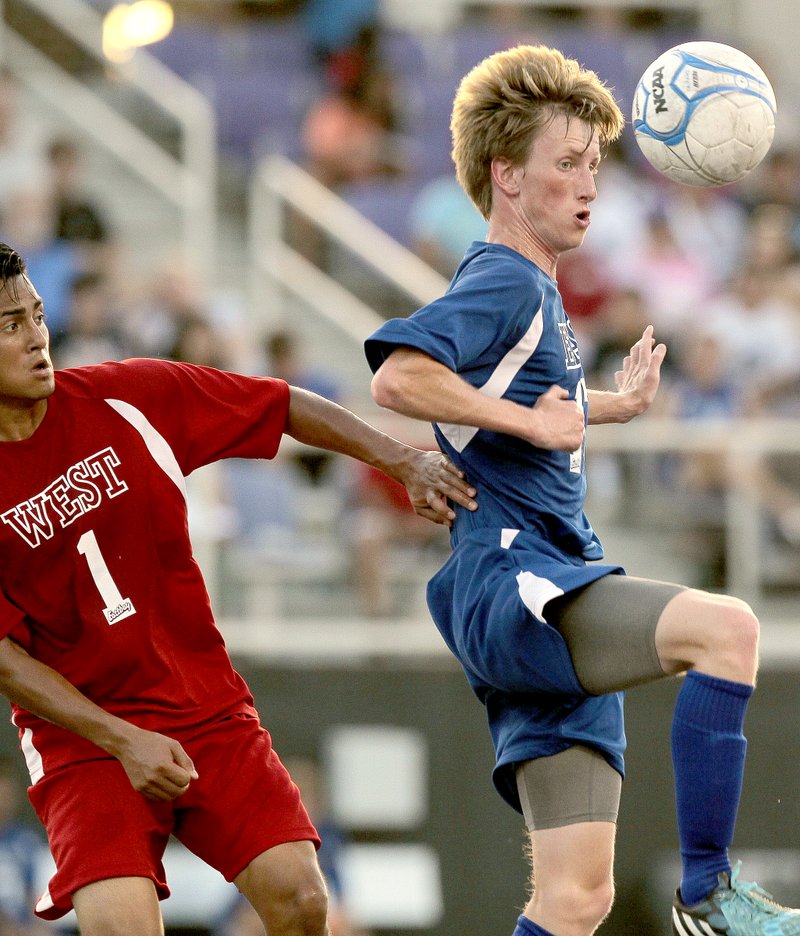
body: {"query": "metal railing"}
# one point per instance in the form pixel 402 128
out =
pixel 278 184
pixel 740 445
pixel 187 180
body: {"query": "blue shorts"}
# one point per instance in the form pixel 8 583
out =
pixel 487 601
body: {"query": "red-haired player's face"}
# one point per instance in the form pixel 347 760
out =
pixel 26 371
pixel 557 184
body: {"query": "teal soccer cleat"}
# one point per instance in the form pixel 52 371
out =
pixel 734 908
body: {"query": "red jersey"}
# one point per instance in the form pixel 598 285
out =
pixel 97 577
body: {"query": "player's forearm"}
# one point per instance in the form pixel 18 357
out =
pixel 43 692
pixel 418 387
pixel 318 422
pixel 611 407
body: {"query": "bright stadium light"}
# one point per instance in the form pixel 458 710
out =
pixel 127 26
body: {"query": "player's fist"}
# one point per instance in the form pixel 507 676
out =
pixel 558 422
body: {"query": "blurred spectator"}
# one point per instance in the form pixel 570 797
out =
pixel 775 182
pixel 757 330
pixel 771 244
pixel 92 333
pixel 20 849
pixel 341 33
pixel 350 134
pixel 709 225
pixel 387 537
pixel 78 217
pixel 622 481
pixel 773 248
pixel 198 342
pixel 285 360
pixel 443 222
pixel 702 390
pixel 585 286
pixel 173 296
pixel 675 282
pixel 28 222
pixel 774 482
pixel 618 325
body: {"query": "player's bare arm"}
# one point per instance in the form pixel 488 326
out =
pixel 637 384
pixel 414 384
pixel 429 477
pixel 157 766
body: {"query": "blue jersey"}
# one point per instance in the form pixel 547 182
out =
pixel 502 327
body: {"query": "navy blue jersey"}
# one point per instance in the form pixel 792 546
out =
pixel 502 327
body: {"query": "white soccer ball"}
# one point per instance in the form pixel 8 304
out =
pixel 704 114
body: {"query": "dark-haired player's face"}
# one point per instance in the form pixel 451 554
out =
pixel 557 183
pixel 26 372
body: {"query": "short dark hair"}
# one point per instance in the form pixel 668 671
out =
pixel 11 264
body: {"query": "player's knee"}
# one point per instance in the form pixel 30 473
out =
pixel 592 904
pixel 589 905
pixel 717 634
pixel 310 909
pixel 736 634
pixel 301 910
pixel 577 906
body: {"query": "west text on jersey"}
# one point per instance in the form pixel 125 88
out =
pixel 81 488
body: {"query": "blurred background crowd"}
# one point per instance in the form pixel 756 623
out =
pixel 357 94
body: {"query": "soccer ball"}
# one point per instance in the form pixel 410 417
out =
pixel 704 114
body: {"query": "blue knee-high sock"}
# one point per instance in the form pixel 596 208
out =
pixel 526 927
pixel 708 754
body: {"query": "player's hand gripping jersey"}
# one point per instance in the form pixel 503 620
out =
pixel 97 578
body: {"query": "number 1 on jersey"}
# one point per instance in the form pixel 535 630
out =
pixel 116 607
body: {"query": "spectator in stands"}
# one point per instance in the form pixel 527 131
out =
pixel 79 218
pixel 775 182
pixel 285 360
pixel 773 246
pixel 153 320
pixel 758 331
pixel 384 535
pixel 678 282
pixel 702 390
pixel 350 133
pixel 709 225
pixel 198 342
pixel 92 332
pixel 443 222
pixel 28 219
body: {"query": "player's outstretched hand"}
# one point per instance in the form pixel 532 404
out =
pixel 157 766
pixel 641 372
pixel 431 479
pixel 558 421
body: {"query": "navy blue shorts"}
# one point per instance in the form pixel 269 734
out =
pixel 488 602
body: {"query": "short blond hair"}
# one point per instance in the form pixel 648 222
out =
pixel 506 98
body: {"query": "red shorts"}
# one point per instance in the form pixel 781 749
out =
pixel 99 827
